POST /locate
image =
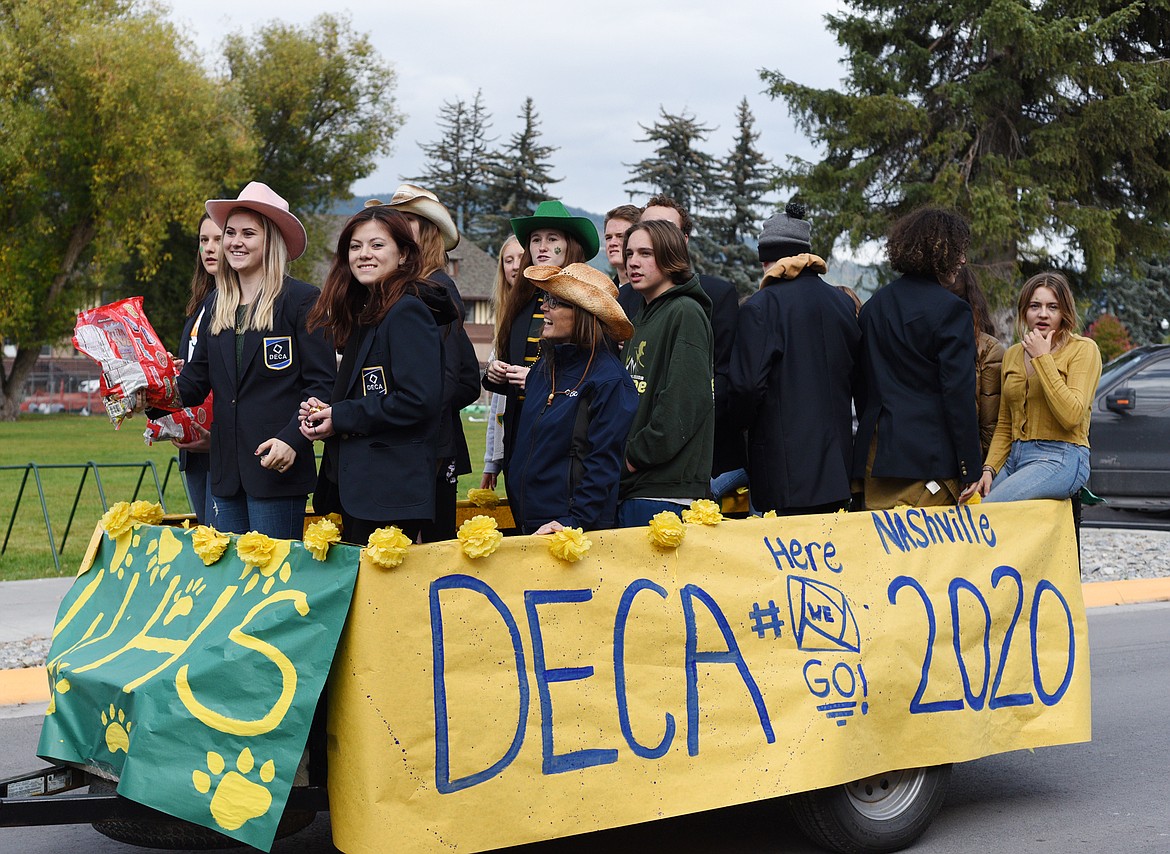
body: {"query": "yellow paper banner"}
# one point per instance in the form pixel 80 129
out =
pixel 516 697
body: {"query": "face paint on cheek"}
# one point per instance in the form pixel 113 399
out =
pixel 556 250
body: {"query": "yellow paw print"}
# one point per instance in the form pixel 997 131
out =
pixel 162 552
pixel 269 575
pixel 117 730
pixel 184 600
pixel 236 800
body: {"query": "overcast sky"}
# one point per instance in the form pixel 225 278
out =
pixel 595 72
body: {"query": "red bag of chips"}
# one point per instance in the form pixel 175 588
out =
pixel 137 372
pixel 180 425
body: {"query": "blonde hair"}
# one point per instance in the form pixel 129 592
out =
pixel 500 287
pixel 227 281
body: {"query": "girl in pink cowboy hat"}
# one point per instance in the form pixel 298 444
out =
pixel 255 354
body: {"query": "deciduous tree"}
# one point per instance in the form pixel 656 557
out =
pixel 111 131
pixel 321 100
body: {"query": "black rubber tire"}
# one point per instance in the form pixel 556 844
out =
pixel 885 812
pixel 165 831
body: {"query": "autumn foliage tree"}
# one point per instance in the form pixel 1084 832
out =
pixel 111 131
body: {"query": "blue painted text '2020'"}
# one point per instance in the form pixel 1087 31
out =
pixel 990 693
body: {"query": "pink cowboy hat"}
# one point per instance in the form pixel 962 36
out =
pixel 261 199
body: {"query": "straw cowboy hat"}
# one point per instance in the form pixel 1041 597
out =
pixel 554 214
pixel 590 290
pixel 414 199
pixel 261 199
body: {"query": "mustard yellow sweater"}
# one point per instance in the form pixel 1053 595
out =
pixel 1053 404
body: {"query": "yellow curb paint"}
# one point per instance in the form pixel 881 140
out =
pixel 27 685
pixel 1099 594
pixel 31 685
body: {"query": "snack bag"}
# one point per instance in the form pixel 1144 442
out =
pixel 137 372
pixel 180 425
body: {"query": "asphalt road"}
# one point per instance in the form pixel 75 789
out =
pixel 1109 795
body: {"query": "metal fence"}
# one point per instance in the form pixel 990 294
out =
pixel 35 469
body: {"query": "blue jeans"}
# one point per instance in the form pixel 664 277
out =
pixel 727 483
pixel 282 518
pixel 1041 469
pixel 198 477
pixel 637 512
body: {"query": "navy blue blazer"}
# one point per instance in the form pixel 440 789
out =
pixel 387 424
pixel 280 368
pixel 917 384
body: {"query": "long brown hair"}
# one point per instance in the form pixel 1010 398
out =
pixel 1056 282
pixel 202 282
pixel 670 249
pixel 345 302
pixel 966 287
pixel 432 255
pixel 521 293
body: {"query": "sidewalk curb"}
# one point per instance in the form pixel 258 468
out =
pixel 31 685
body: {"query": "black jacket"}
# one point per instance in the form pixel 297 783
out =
pixel 461 378
pixel 729 449
pixel 280 368
pixel 791 383
pixel 917 384
pixel 387 422
pixel 517 344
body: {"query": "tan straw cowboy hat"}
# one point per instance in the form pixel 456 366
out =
pixel 414 199
pixel 588 289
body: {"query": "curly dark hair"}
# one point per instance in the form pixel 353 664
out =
pixel 929 242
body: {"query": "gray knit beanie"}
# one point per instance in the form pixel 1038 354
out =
pixel 786 234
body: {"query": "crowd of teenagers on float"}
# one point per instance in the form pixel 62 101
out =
pixel 612 400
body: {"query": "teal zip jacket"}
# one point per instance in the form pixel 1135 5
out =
pixel 670 359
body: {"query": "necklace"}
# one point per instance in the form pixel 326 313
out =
pixel 553 372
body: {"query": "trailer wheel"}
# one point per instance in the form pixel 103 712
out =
pixel 885 812
pixel 166 831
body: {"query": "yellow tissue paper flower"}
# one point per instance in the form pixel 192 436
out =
pixel 479 536
pixel 209 544
pixel 335 518
pixel 255 549
pixel 146 512
pixel 974 498
pixel 117 520
pixel 387 547
pixel 771 514
pixel 703 512
pixel 667 530
pixel 570 544
pixel 320 536
pixel 483 497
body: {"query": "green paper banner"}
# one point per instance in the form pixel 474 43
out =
pixel 195 685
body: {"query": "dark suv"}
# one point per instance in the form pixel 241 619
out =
pixel 1130 430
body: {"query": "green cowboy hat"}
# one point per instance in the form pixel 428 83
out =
pixel 554 214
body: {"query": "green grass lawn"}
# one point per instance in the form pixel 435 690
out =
pixel 71 441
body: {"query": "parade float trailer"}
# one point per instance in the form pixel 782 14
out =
pixel 489 692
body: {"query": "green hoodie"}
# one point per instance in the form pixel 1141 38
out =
pixel 670 360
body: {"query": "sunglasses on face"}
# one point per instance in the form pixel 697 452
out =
pixel 551 302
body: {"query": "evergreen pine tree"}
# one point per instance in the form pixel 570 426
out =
pixel 518 178
pixel 1141 301
pixel 455 162
pixel 1046 123
pixel 681 170
pixel 742 183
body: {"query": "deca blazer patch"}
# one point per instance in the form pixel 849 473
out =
pixel 373 380
pixel 278 352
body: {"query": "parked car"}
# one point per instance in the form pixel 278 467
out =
pixel 1130 430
